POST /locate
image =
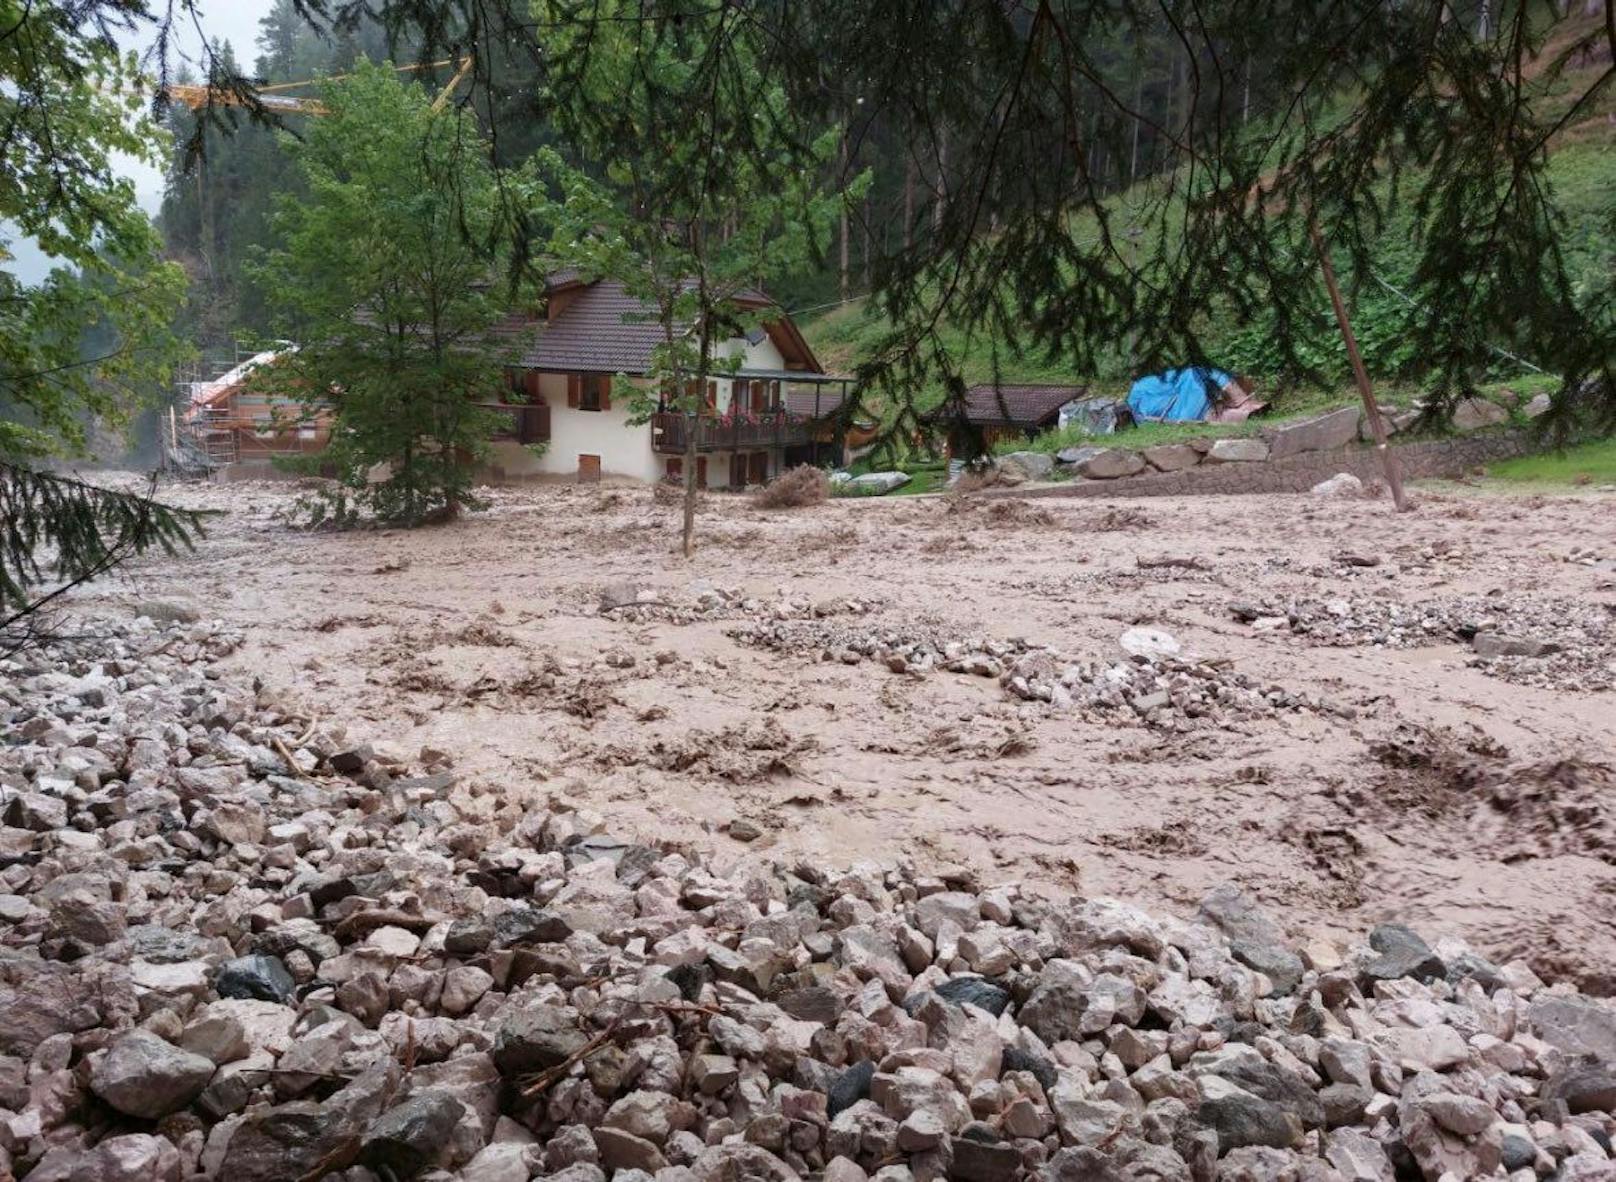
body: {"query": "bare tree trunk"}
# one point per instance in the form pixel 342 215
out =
pixel 869 240
pixel 1245 98
pixel 942 181
pixel 692 423
pixel 1138 107
pixel 1484 20
pixel 908 199
pixel 842 179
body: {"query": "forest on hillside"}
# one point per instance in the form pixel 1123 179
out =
pixel 227 172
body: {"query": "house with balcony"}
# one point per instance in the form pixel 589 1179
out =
pixel 779 408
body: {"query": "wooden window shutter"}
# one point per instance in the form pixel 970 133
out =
pixel 701 471
pixel 605 381
pixel 574 384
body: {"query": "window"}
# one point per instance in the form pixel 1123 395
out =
pixel 589 391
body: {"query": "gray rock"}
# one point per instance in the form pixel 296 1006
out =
pixel 264 978
pixel 1325 433
pixel 1344 1104
pixel 527 925
pixel 1590 1088
pixel 1342 484
pixel 1576 1025
pixel 536 1038
pixel 291 1141
pixel 620 1150
pixel 467 937
pixel 1171 457
pixel 1402 954
pixel 1249 1120
pixel 1072 456
pixel 1279 964
pixel 1490 645
pixel 406 1139
pixel 1238 917
pixel 740 1163
pixel 984 1161
pixel 851 1086
pixel 1237 451
pixel 1034 465
pixel 1472 414
pixel 1112 463
pixel 1516 1152
pixel 143 1075
pixel 878 482
pixel 974 991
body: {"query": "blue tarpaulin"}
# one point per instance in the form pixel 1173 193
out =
pixel 1178 395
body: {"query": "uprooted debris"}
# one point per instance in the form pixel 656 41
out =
pixel 1161 688
pixel 237 949
pixel 1552 642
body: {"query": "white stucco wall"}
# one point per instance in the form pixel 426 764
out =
pixel 625 450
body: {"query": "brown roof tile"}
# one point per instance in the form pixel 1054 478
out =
pixel 1018 406
pixel 602 329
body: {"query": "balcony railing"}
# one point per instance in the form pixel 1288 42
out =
pixel 527 423
pixel 741 432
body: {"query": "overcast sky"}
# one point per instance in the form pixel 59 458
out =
pixel 235 21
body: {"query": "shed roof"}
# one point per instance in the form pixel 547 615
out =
pixel 1016 406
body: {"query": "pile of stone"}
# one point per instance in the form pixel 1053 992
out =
pixel 1548 641
pixel 232 948
pixel 638 603
pixel 1161 687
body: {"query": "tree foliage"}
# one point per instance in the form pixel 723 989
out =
pixel 681 207
pixel 385 276
pixel 93 341
pixel 1018 129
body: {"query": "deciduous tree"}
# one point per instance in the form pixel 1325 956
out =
pixel 385 275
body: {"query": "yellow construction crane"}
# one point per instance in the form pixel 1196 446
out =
pixel 197 97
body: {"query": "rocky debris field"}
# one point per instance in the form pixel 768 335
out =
pixel 1542 640
pixel 237 945
pixel 1150 680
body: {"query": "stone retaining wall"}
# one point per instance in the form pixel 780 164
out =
pixel 1420 460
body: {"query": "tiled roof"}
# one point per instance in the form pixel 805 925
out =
pixel 1020 406
pixel 602 329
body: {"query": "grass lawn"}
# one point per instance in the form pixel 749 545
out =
pixel 1585 464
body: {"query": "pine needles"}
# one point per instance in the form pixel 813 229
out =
pixel 61 528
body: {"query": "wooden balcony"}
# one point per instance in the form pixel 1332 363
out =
pixel 775 428
pixel 526 422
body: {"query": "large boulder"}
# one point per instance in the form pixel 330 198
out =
pixel 1472 414
pixel 878 482
pixel 1237 451
pixel 1172 457
pixel 1072 456
pixel 1341 485
pixel 1032 465
pixel 1111 464
pixel 1325 433
pixel 143 1075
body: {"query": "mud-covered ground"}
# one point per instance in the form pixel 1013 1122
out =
pixel 1404 778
